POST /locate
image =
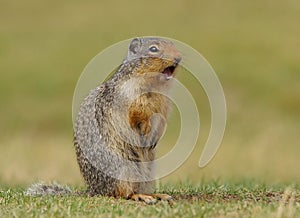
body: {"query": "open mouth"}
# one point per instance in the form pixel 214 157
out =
pixel 169 71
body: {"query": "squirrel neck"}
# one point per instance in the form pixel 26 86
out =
pixel 125 83
pixel 130 82
pixel 125 72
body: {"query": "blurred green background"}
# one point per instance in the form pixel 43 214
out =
pixel 252 45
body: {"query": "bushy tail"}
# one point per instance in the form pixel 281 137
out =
pixel 41 188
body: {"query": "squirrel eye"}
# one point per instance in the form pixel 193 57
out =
pixel 153 49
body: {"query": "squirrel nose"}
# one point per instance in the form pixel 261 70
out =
pixel 177 60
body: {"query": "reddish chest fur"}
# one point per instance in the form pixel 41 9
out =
pixel 141 110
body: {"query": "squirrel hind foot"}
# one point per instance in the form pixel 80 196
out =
pixel 151 198
pixel 148 199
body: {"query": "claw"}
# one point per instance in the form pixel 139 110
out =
pixel 151 198
pixel 163 197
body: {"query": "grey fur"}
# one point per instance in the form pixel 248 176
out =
pixel 42 188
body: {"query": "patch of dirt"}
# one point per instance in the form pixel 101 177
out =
pixel 266 197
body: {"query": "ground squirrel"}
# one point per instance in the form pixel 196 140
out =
pixel 120 122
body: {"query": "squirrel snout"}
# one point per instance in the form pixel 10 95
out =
pixel 177 60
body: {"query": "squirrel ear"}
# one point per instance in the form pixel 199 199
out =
pixel 134 45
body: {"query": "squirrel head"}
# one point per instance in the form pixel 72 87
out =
pixel 156 55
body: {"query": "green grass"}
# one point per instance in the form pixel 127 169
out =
pixel 210 199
